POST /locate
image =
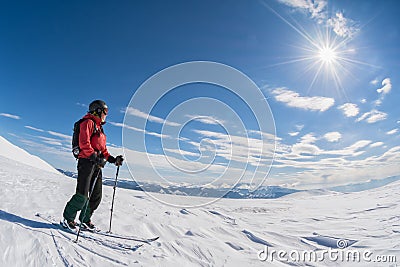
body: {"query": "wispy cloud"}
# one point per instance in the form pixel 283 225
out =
pixel 51 146
pixel 241 149
pixel 392 131
pixel 82 105
pixel 33 128
pixel 11 116
pixel 376 144
pixel 211 120
pixel 60 135
pixel 373 116
pixel 63 136
pixel 51 141
pixel 316 10
pixel 349 109
pixel 182 152
pixel 293 133
pixel 354 165
pixel 125 126
pixel 374 81
pixel 122 125
pixel 293 99
pixel 137 113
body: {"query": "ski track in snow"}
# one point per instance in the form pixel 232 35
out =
pixel 60 251
pixel 92 250
pixel 229 232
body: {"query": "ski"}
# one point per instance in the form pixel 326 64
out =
pixel 107 243
pixel 100 232
pixel 125 237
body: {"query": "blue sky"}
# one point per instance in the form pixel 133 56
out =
pixel 328 69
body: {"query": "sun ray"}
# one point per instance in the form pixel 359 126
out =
pixel 324 52
pixel 314 79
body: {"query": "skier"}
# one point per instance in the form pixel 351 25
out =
pixel 92 156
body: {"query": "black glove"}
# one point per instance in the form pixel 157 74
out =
pixel 111 159
pixel 117 160
pixel 98 160
pixel 93 157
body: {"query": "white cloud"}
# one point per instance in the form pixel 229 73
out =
pixel 308 139
pixel 117 124
pixel 363 101
pixel 332 136
pixel 376 144
pixel 64 136
pixel 374 81
pixel 293 99
pixel 206 119
pixel 294 133
pixel 51 141
pixel 392 131
pixel 314 8
pixel 387 86
pixel 140 114
pixel 307 149
pixel 122 125
pixel 384 90
pixel 182 152
pixel 342 26
pixel 82 105
pixel 373 116
pixel 33 128
pixel 15 117
pixel 358 145
pixel 299 127
pixel 349 109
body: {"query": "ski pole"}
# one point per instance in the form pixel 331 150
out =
pixel 87 201
pixel 112 203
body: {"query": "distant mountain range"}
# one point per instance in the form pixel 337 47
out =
pixel 238 192
pixel 365 186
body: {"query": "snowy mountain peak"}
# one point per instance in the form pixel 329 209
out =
pixel 11 151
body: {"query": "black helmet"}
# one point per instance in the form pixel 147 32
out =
pixel 97 107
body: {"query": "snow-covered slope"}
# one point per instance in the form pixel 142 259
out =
pixel 230 232
pixel 15 153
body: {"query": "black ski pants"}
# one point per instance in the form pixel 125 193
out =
pixel 87 173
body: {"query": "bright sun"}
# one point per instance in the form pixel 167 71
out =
pixel 327 55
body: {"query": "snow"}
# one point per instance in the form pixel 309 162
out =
pixel 11 151
pixel 229 232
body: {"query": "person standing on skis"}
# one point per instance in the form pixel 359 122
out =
pixel 93 155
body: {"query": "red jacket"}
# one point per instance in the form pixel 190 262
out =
pixel 88 143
